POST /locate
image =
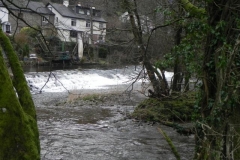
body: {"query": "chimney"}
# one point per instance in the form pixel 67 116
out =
pixel 65 3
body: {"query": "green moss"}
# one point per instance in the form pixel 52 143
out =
pixel 20 83
pixel 170 143
pixel 18 138
pixel 179 109
pixel 92 97
pixel 192 9
pixel 18 130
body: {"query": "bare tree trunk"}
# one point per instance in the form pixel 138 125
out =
pixel 177 78
pixel 158 81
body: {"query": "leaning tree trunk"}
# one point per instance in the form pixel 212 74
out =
pixel 158 81
pixel 19 135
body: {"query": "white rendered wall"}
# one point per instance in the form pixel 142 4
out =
pixel 64 26
pixel 80 46
pixel 3 14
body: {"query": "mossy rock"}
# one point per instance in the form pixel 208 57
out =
pixel 175 109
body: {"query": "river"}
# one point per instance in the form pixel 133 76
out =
pixel 97 130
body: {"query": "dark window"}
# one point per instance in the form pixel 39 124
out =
pixel 88 24
pixel 73 22
pixel 81 11
pixel 44 19
pixel 96 13
pixel 8 28
pixel 73 34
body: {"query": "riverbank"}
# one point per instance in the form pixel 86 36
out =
pixel 95 125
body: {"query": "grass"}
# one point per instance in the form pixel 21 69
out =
pixel 92 97
pixel 152 109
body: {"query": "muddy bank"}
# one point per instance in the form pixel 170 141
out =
pixel 100 129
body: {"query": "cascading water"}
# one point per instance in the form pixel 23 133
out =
pixel 97 130
pixel 63 80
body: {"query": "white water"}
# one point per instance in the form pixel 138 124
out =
pixel 64 80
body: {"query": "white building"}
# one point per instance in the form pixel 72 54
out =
pixel 73 24
pixel 4 17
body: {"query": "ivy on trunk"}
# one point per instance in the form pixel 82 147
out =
pixel 219 97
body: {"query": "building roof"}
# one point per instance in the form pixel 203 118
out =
pixel 39 7
pixel 27 6
pixel 69 12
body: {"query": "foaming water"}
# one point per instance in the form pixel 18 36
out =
pixel 97 130
pixel 75 79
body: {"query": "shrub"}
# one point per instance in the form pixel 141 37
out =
pixel 102 52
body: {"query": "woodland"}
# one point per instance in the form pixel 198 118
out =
pixel 196 39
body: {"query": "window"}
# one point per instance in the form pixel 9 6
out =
pixel 8 29
pixel 56 19
pixel 88 12
pixel 73 34
pixel 96 13
pixel 44 19
pixel 100 25
pixel 88 24
pixel 81 11
pixel 73 22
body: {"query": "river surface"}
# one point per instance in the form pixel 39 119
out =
pixel 98 130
